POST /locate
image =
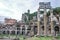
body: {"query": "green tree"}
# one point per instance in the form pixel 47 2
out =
pixel 55 11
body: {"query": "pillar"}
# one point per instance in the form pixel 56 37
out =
pixel 59 23
pixel 52 26
pixel 21 30
pixel 38 22
pixel 42 31
pixel 52 30
pixel 45 23
pixel 26 29
pixel 9 33
pixel 15 32
pixel 32 30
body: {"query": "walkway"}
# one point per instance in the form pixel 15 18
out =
pixel 5 39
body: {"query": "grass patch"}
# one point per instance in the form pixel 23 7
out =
pixel 29 38
pixel 40 38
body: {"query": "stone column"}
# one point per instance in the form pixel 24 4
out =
pixel 21 30
pixel 15 32
pixel 45 22
pixel 59 23
pixel 52 30
pixel 26 29
pixel 52 26
pixel 32 30
pixel 38 22
pixel 9 33
pixel 42 32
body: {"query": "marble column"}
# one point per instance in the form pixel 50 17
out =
pixel 45 23
pixel 52 26
pixel 38 22
pixel 26 29
pixel 59 23
pixel 21 30
pixel 9 31
pixel 32 30
pixel 15 32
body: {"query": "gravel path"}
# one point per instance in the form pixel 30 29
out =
pixel 5 39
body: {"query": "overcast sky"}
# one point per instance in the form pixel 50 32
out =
pixel 15 8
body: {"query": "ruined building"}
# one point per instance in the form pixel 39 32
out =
pixel 41 24
pixel 37 23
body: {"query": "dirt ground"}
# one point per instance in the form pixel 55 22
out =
pixel 6 39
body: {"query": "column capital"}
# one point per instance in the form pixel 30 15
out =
pixel 44 11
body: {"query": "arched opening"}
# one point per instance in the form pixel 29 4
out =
pixel 18 28
pixel 13 32
pixel 7 32
pixel 42 30
pixel 28 30
pixel 4 32
pixel 18 32
pixel 49 29
pixel 23 30
pixel 56 28
pixel 35 30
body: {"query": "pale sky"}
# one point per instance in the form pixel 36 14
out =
pixel 15 8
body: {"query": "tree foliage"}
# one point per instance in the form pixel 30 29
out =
pixel 55 11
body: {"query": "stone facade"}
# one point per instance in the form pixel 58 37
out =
pixel 10 21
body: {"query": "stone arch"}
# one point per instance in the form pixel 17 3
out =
pixel 18 32
pixel 49 30
pixel 42 30
pixel 42 27
pixel 35 30
pixel 12 32
pixel 4 32
pixel 23 30
pixel 7 32
pixel 56 29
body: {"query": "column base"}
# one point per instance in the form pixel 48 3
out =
pixel 38 35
